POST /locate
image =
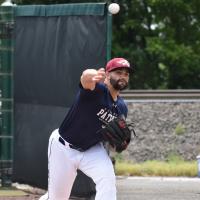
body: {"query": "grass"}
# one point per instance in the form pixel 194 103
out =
pixel 180 129
pixel 157 168
pixel 9 192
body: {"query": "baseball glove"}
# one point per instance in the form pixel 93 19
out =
pixel 118 134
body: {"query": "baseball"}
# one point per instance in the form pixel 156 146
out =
pixel 113 8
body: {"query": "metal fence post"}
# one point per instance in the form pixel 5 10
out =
pixel 109 36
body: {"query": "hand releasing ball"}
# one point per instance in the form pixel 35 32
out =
pixel 113 8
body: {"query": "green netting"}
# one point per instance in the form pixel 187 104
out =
pixel 61 9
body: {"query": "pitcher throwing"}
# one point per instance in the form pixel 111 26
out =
pixel 77 143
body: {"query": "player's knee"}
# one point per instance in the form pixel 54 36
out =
pixel 106 184
pixel 106 189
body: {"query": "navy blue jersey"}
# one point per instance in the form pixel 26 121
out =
pixel 90 111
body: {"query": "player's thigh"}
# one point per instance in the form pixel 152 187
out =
pixel 62 170
pixel 97 164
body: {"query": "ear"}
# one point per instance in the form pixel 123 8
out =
pixel 107 79
pixel 108 75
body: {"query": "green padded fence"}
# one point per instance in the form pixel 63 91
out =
pixel 61 9
pixel 7 17
pixel 6 93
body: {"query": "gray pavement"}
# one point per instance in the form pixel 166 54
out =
pixel 138 188
pixel 158 188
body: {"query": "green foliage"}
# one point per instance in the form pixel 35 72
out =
pixel 174 165
pixel 180 129
pixel 162 39
pixel 158 168
pixel 118 157
pixel 174 158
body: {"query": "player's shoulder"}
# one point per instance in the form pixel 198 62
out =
pixel 122 105
pixel 121 100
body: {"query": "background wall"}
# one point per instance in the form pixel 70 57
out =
pixel 164 129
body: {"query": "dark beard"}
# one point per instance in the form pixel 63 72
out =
pixel 117 86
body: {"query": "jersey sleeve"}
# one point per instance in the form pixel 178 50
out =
pixel 123 108
pixel 125 111
pixel 99 88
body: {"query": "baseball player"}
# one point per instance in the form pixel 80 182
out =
pixel 77 144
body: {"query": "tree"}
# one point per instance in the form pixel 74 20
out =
pixel 162 38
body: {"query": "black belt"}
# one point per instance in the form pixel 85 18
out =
pixel 62 141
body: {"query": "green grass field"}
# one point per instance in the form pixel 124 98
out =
pixel 172 167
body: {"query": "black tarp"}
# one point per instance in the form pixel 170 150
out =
pixel 53 45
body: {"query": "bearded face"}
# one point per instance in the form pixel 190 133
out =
pixel 118 84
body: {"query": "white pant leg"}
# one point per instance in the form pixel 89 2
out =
pixel 44 197
pixel 62 165
pixel 97 165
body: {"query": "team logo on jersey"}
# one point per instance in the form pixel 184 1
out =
pixel 105 115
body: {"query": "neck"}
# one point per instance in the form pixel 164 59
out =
pixel 114 93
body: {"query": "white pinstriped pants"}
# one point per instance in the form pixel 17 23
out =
pixel 63 163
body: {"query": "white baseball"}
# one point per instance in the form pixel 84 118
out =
pixel 113 8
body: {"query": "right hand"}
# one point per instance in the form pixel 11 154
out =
pixel 99 76
pixel 90 77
